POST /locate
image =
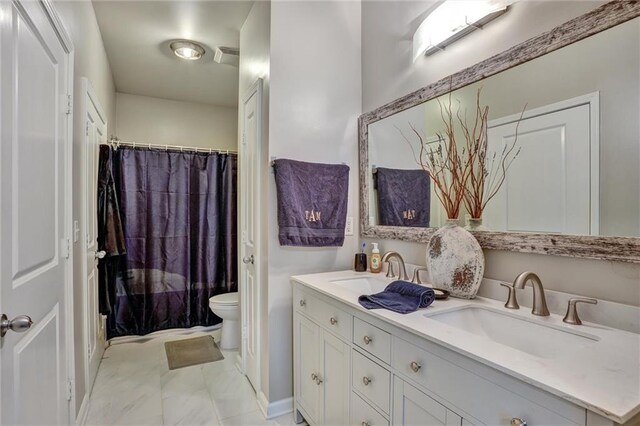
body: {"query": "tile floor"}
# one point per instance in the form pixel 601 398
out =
pixel 134 386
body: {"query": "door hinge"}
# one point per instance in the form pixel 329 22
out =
pixel 69 104
pixel 69 389
pixel 65 248
pixel 244 139
pixel 244 333
pixel 86 129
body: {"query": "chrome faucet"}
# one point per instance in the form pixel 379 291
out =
pixel 539 301
pixel 403 270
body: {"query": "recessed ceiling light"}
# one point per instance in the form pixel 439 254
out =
pixel 188 50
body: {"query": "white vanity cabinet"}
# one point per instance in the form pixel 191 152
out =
pixel 412 407
pixel 352 367
pixel 321 368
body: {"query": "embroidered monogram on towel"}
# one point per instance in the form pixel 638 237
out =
pixel 312 216
pixel 409 214
pixel 312 203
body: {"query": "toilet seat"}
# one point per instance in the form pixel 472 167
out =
pixel 227 299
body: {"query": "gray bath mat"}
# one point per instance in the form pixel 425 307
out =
pixel 187 352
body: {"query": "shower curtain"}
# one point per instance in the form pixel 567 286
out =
pixel 178 211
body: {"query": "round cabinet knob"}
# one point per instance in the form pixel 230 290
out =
pixel 100 254
pixel 516 421
pixel 366 380
pixel 302 302
pixel 248 259
pixel 318 380
pixel 366 424
pixel 333 321
pixel 367 340
pixel 19 324
pixel 415 366
pixel 314 376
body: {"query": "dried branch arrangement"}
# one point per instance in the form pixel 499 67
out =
pixel 472 175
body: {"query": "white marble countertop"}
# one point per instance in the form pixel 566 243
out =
pixel 604 379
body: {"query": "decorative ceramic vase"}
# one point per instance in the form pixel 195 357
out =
pixel 456 261
pixel 475 224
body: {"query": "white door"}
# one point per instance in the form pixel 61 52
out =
pixel 251 128
pixel 35 221
pixel 551 185
pixel 95 125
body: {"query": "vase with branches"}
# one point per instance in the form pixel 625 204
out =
pixel 489 169
pixel 463 172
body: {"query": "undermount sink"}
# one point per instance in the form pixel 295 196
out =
pixel 529 336
pixel 362 285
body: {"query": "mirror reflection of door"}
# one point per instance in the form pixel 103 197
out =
pixel 553 180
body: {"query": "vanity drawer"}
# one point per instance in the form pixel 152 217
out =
pixel 326 315
pixel 371 380
pixel 362 414
pixel 372 339
pixel 491 403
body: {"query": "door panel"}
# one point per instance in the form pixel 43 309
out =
pixel 95 125
pixel 35 183
pixel 335 380
pixel 307 352
pixel 554 165
pixel 34 224
pixel 412 407
pixel 249 225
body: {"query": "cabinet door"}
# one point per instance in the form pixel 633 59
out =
pixel 307 364
pixel 412 407
pixel 335 380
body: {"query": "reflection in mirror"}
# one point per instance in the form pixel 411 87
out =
pixel 578 170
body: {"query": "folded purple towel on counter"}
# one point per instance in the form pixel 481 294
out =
pixel 312 203
pixel 404 197
pixel 400 296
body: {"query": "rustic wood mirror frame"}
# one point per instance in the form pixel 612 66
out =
pixel 621 249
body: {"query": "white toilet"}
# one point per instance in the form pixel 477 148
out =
pixel 226 307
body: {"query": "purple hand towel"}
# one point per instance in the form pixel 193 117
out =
pixel 400 296
pixel 404 197
pixel 312 203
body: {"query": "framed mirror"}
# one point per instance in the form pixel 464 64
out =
pixel 574 187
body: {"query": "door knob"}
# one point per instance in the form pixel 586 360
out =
pixel 248 259
pixel 100 254
pixel 19 324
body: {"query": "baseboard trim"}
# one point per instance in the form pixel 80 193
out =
pixel 81 418
pixel 271 410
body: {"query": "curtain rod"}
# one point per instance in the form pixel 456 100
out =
pixel 115 143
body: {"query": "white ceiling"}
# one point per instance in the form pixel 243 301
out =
pixel 136 36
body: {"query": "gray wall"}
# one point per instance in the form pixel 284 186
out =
pixel 314 104
pixel 388 73
pixel 145 119
pixel 255 42
pixel 90 60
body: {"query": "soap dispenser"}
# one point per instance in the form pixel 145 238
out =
pixel 376 260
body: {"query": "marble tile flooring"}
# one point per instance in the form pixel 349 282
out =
pixel 134 386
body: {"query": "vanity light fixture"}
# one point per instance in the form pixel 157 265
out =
pixel 452 20
pixel 188 50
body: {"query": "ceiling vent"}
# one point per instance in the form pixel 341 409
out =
pixel 227 55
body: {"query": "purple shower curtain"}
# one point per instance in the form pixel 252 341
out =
pixel 178 211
